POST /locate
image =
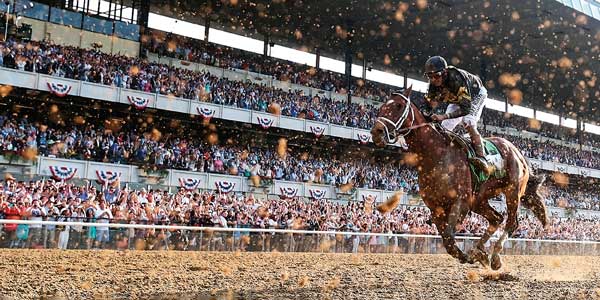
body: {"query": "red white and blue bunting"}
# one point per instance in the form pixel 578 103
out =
pixel 317 194
pixel 62 173
pixel 363 138
pixel 265 122
pixel 205 112
pixel 225 186
pixel 108 177
pixel 317 130
pixel 138 102
pixel 59 89
pixel 289 192
pixel 189 184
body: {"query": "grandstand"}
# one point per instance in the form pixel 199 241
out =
pixel 253 135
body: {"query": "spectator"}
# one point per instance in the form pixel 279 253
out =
pixel 103 215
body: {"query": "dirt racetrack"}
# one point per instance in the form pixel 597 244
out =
pixel 53 274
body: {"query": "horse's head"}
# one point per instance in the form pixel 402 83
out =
pixel 393 118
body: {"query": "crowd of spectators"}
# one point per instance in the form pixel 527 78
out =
pixel 550 151
pixel 135 73
pixel 166 44
pixel 60 201
pixel 582 196
pixel 152 150
pixel 543 129
pixel 95 143
pixel 121 71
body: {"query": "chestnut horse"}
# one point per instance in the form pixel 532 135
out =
pixel 445 179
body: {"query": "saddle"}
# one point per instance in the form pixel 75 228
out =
pixel 492 154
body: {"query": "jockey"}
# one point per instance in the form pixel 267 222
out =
pixel 466 97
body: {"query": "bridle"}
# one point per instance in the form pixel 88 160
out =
pixel 397 130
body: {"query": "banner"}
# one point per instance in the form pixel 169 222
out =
pixel 138 102
pixel 205 112
pixel 289 192
pixel 59 89
pixel 62 173
pixel 189 183
pixel 108 177
pixel 363 138
pixel 317 194
pixel 225 186
pixel 265 122
pixel 317 130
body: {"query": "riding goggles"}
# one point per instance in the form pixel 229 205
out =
pixel 433 75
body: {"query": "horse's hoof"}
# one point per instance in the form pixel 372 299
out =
pixel 466 259
pixel 496 262
pixel 480 256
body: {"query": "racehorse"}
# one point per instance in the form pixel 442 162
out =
pixel 446 182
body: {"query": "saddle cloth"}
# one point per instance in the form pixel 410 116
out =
pixel 492 154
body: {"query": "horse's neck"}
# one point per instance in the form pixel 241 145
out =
pixel 425 141
pixel 428 144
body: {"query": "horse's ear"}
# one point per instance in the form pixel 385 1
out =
pixel 408 91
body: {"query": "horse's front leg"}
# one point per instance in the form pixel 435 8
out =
pixel 446 227
pixel 494 218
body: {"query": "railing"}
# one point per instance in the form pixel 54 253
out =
pixel 81 235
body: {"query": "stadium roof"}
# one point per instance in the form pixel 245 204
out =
pixel 540 54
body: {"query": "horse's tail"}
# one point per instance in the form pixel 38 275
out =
pixel 533 200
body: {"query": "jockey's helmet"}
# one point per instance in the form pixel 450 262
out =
pixel 435 64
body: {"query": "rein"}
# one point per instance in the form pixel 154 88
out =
pixel 414 127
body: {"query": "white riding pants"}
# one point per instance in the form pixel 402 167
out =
pixel 471 119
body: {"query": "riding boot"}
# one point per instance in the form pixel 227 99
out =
pixel 480 161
